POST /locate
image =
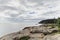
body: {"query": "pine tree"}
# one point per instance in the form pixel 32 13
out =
pixel 58 23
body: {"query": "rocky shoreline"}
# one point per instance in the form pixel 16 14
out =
pixel 40 32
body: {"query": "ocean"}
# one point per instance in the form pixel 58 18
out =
pixel 7 28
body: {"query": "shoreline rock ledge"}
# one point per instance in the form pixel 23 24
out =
pixel 40 32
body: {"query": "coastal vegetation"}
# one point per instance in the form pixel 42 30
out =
pixel 51 22
pixel 22 38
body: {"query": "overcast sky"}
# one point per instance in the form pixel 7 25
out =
pixel 28 10
pixel 20 13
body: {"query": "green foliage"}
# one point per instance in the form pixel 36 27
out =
pixel 48 21
pixel 24 38
pixel 58 23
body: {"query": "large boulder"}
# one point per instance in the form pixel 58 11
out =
pixel 52 37
pixel 42 29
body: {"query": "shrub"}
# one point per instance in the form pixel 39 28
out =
pixel 24 38
pixel 58 23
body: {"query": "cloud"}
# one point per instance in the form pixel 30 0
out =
pixel 18 10
pixel 4 1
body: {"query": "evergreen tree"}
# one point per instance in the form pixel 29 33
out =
pixel 58 23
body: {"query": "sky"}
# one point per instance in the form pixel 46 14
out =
pixel 14 13
pixel 28 10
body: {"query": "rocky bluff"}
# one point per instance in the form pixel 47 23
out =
pixel 42 32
